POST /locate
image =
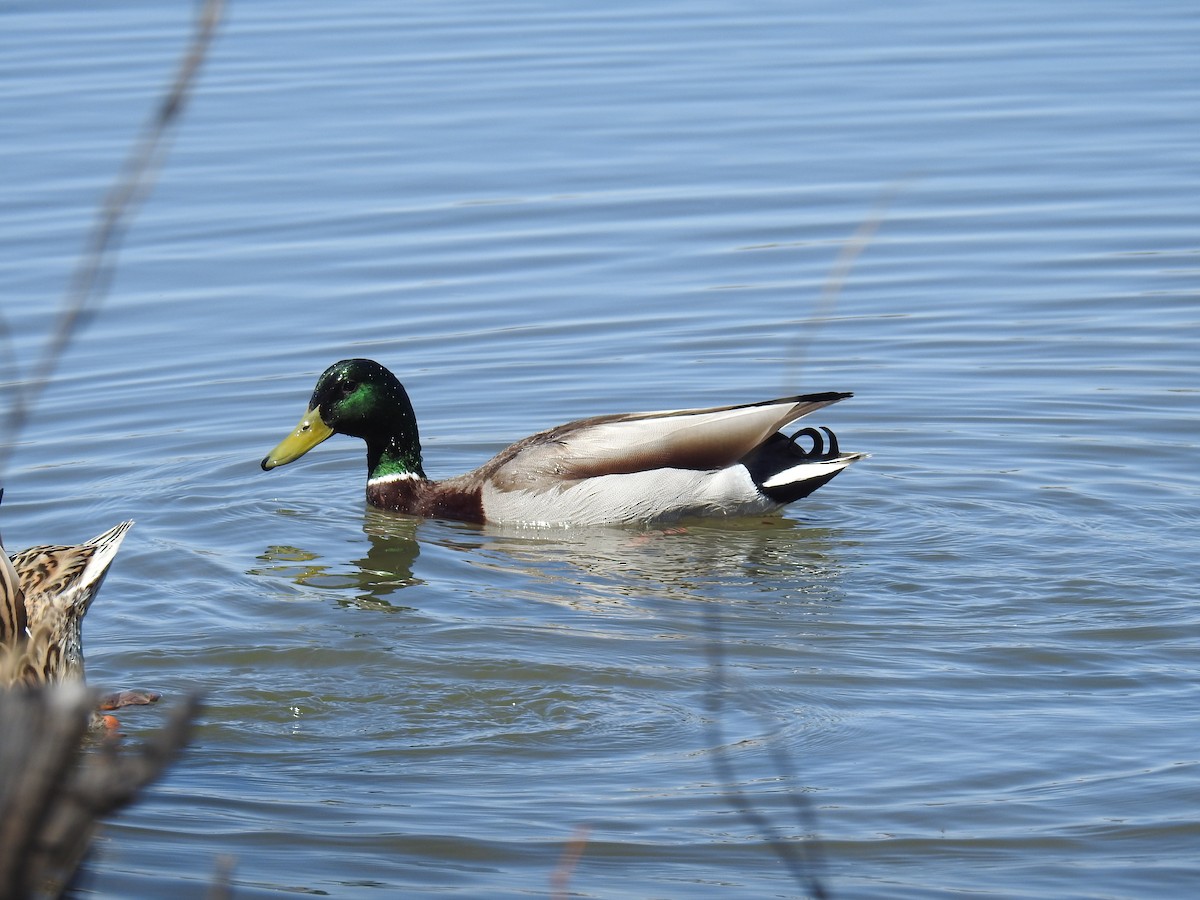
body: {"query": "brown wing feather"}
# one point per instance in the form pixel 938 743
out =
pixel 50 568
pixel 54 570
pixel 637 442
pixel 44 593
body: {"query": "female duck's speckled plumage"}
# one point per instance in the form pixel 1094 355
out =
pixel 45 592
pixel 631 467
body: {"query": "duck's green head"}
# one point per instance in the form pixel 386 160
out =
pixel 361 398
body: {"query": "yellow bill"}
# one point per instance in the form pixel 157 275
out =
pixel 310 432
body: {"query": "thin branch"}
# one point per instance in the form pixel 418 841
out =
pixel 799 857
pixel 836 280
pixel 93 274
pixel 560 880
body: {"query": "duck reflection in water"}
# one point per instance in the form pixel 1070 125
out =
pixel 387 567
pixel 609 566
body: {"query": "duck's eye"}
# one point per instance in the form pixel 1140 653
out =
pixel 349 388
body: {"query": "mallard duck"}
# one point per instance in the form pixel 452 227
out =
pixel 630 467
pixel 46 591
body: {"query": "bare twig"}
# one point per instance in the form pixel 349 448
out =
pixel 53 790
pixel 836 280
pixel 560 880
pixel 801 858
pixel 92 276
pixel 222 884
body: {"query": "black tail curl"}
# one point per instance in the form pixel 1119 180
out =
pixel 818 451
pixel 779 453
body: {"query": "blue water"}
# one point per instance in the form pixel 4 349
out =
pixel 967 665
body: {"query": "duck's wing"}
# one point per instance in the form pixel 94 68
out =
pixel 67 576
pixel 59 583
pixel 703 439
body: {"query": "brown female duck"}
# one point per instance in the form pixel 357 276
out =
pixel 44 594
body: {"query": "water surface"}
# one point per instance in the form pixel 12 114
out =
pixel 968 663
